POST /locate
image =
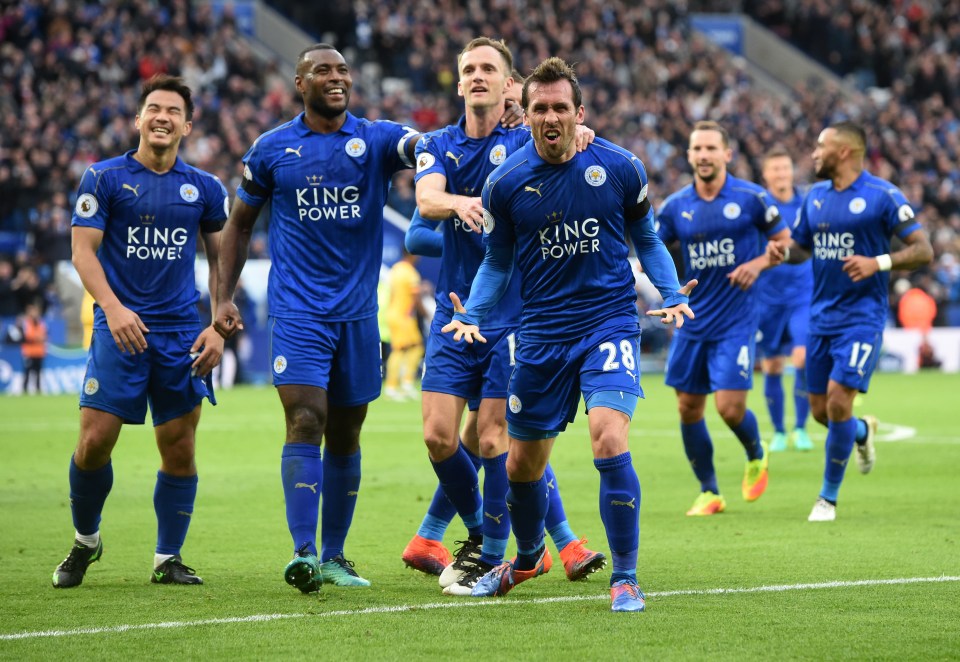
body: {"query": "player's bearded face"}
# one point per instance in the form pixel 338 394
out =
pixel 553 119
pixel 325 83
pixel 707 154
pixel 825 156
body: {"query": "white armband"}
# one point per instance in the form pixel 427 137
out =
pixel 885 262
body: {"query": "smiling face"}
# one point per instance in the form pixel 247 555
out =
pixel 707 154
pixel 553 119
pixel 483 77
pixel 323 80
pixel 162 121
pixel 827 154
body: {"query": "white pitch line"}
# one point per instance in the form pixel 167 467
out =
pixel 265 618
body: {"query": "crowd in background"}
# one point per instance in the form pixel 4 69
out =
pixel 70 75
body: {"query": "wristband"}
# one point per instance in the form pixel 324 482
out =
pixel 885 262
pixel 786 254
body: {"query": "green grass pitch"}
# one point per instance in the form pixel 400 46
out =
pixel 758 581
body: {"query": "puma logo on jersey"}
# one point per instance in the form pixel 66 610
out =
pixel 495 519
pixel 534 190
pixel 311 486
pixel 687 215
pixel 628 504
pixel 632 376
pixel 550 485
pixel 291 150
pixel 132 188
pixel 817 204
pixel 456 159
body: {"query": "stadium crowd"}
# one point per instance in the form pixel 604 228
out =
pixel 70 75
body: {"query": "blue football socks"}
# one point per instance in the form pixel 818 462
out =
pixel 441 510
pixel 528 507
pixel 839 446
pixel 88 493
pixel 748 432
pixel 341 487
pixel 496 517
pixel 773 391
pixel 458 478
pixel 301 471
pixel 173 499
pixel 620 512
pixel 699 450
pixel 860 435
pixel 556 521
pixel 801 398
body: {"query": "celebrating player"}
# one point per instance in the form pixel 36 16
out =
pixel 563 217
pixel 135 231
pixel 326 174
pixel 452 165
pixel 846 223
pixel 719 221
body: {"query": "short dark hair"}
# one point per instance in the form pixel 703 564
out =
pixel 777 151
pixel 169 84
pixel 709 125
pixel 309 49
pixel 551 70
pixel 517 77
pixel 498 45
pixel 853 131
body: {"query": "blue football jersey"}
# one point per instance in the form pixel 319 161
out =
pixel 150 224
pixel 715 238
pixel 787 284
pixel 858 220
pixel 326 194
pixel 567 225
pixel 466 162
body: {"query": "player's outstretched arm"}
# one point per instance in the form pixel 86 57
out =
pixel 786 252
pixel 234 247
pixel 126 327
pixel 675 314
pixel 916 253
pixel 463 329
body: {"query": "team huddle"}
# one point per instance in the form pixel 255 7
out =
pixel 536 311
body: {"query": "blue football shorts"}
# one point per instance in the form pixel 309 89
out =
pixel 705 366
pixel 124 384
pixel 781 329
pixel 472 372
pixel 549 378
pixel 848 358
pixel 341 357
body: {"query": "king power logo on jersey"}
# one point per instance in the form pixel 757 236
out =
pixel 317 202
pixel 833 245
pixel 146 242
pixel 563 238
pixel 714 253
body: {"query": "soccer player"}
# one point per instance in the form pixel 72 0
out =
pixel 783 294
pixel 563 216
pixel 452 164
pixel 135 231
pixel 326 175
pixel 406 340
pixel 846 223
pixel 719 221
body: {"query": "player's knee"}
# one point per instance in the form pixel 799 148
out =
pixel 523 469
pixel 305 423
pixel 732 412
pixel 440 446
pixel 838 409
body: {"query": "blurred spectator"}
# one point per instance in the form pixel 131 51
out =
pixel 9 305
pixel 33 347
